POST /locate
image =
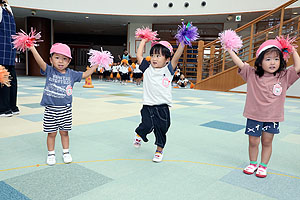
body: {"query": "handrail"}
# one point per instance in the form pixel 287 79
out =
pixel 257 19
pixel 215 61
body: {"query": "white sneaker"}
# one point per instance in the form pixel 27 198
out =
pixel 51 159
pixel 157 157
pixel 250 169
pixel 67 157
pixel 261 172
pixel 137 142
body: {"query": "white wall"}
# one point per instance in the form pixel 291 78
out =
pixel 131 38
pixel 145 7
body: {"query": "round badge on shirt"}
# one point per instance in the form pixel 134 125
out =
pixel 277 89
pixel 69 90
pixel 166 82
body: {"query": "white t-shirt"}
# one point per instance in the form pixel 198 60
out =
pixel 182 81
pixel 108 69
pixel 115 68
pixel 157 84
pixel 8 8
pixel 123 69
pixel 137 69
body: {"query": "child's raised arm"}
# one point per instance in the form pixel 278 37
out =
pixel 38 58
pixel 88 72
pixel 296 60
pixel 177 55
pixel 236 59
pixel 139 53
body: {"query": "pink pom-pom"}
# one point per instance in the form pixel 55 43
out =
pixel 146 33
pixel 101 58
pixel 230 40
pixel 286 45
pixel 22 41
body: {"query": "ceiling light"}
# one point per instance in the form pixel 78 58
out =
pixel 295 13
pixel 182 19
pixel 87 17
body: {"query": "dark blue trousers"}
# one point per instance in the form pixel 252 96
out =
pixel 157 119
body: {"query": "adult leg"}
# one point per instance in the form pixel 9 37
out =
pixel 13 90
pixel 4 97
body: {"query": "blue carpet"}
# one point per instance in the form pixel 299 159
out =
pixel 33 117
pixel 32 105
pixel 58 182
pixel 223 126
pixel 272 186
pixel 120 102
pixel 9 193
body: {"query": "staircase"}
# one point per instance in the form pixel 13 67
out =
pixel 215 69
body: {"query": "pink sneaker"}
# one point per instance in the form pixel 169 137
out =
pixel 250 169
pixel 261 172
pixel 137 141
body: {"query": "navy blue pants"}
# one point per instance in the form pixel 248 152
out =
pixel 157 119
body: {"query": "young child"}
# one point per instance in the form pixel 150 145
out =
pixel 115 70
pixel 182 82
pixel 57 97
pixel 176 76
pixel 267 84
pixel 137 74
pixel 101 73
pixel 124 69
pixel 157 96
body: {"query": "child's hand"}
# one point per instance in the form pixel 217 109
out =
pixel 30 48
pixel 146 40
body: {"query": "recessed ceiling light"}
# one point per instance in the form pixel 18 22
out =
pixel 295 13
pixel 182 19
pixel 87 17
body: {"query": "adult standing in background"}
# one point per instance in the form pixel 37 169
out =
pixel 125 56
pixel 8 95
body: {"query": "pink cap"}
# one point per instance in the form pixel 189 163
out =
pixel 165 44
pixel 61 49
pixel 268 44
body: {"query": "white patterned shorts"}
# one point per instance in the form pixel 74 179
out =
pixel 57 118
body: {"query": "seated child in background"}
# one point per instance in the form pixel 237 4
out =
pixel 182 82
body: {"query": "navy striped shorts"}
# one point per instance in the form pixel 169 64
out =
pixel 57 118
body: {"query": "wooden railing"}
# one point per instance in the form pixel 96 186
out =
pixel 213 60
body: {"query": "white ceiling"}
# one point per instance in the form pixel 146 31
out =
pixel 77 23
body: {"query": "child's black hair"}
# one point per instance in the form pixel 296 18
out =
pixel 158 48
pixel 258 63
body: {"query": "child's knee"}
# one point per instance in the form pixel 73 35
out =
pixel 63 133
pixel 52 134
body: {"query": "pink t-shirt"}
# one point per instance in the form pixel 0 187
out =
pixel 265 103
